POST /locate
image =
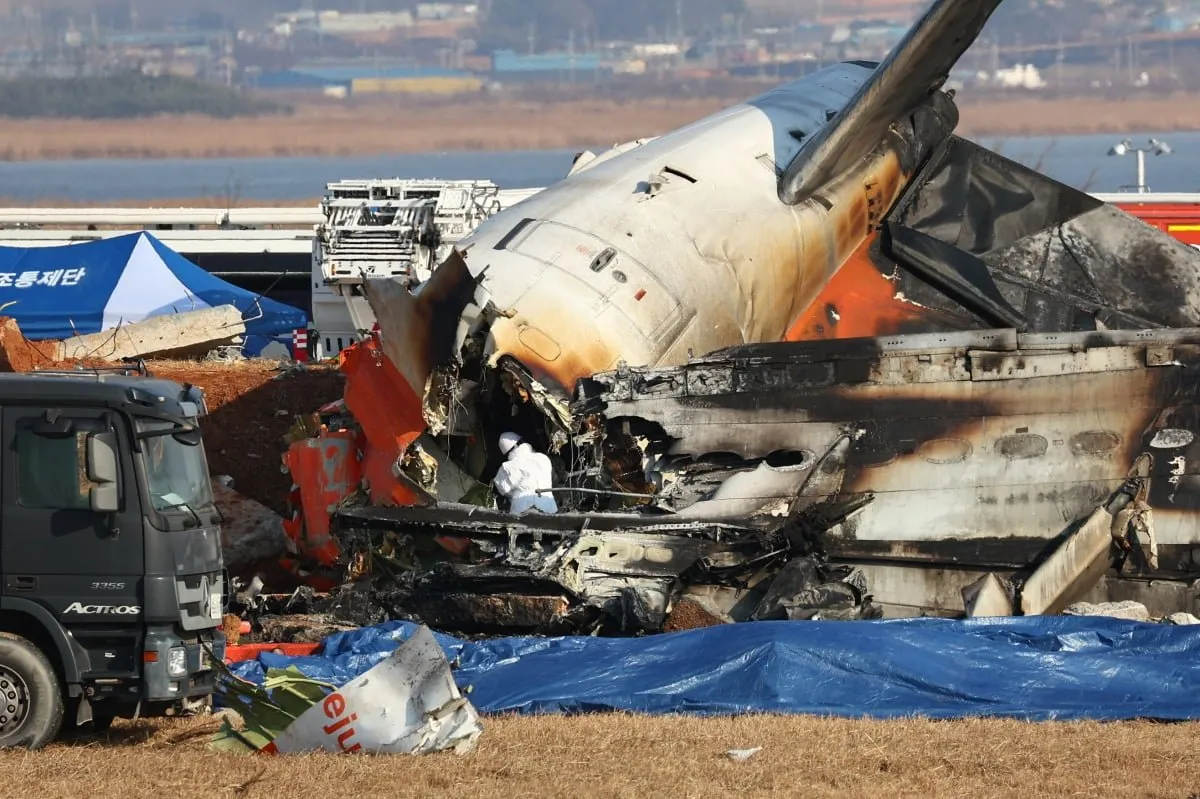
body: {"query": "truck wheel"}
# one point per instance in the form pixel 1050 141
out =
pixel 31 703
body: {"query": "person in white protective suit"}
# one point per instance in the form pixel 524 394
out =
pixel 523 475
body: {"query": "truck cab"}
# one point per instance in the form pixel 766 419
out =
pixel 111 578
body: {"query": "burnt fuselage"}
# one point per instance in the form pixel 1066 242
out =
pixel 969 451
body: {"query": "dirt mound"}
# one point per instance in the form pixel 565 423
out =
pixel 19 355
pixel 251 405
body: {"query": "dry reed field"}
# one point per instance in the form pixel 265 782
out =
pixel 332 129
pixel 636 757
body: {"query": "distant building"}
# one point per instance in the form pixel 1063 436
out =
pixel 1179 22
pixel 447 11
pixel 337 23
pixel 370 77
pixel 509 66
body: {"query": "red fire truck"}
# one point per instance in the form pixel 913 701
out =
pixel 1177 214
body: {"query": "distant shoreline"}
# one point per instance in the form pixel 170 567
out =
pixel 334 130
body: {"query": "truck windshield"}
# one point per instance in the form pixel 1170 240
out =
pixel 177 473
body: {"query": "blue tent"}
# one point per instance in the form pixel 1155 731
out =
pixel 59 292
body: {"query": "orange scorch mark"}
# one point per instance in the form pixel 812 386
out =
pixel 857 301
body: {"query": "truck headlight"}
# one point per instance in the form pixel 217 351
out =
pixel 177 662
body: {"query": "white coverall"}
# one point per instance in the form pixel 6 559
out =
pixel 521 476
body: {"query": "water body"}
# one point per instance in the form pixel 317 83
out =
pixel 1079 161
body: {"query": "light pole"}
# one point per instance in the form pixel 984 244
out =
pixel 1126 147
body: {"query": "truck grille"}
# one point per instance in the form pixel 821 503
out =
pixel 199 595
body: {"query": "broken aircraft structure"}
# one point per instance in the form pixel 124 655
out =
pixel 817 325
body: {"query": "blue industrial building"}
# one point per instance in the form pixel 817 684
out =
pixel 508 65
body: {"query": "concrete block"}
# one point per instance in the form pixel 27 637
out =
pixel 1130 611
pixel 179 335
pixel 1071 570
pixel 987 597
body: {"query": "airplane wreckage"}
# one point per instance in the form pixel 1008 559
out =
pixel 811 357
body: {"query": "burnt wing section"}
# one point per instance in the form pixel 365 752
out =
pixel 992 242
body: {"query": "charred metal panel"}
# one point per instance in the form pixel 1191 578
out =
pixel 1161 597
pixel 1072 569
pixel 627 568
pixel 1025 365
pixel 916 590
pixel 1010 243
pixel 508 612
pixel 767 488
pixel 420 331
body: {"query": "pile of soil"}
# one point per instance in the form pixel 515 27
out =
pixel 251 405
pixel 19 355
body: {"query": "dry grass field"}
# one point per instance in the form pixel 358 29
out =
pixel 333 129
pixel 636 757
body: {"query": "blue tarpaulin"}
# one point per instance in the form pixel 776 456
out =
pixel 59 292
pixel 1035 668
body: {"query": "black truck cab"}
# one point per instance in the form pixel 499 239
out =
pixel 111 587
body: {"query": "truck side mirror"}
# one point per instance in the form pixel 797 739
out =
pixel 102 470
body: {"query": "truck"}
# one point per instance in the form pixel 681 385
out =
pixel 112 586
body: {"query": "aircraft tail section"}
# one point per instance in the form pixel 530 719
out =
pixel 915 69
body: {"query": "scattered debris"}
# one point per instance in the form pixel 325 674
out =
pixel 250 531
pixel 407 703
pixel 308 628
pixel 1130 611
pixel 493 573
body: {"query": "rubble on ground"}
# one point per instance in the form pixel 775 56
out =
pixel 17 354
pixel 408 703
pixel 1130 611
pixel 250 531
